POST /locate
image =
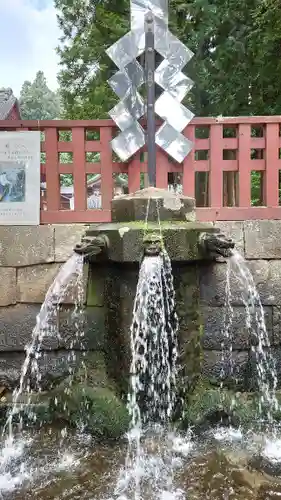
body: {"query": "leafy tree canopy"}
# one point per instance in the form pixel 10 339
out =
pixel 37 101
pixel 236 67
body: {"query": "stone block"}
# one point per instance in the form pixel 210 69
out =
pixel 262 239
pixel 17 324
pixel 241 339
pixel 153 204
pixel 53 366
pixel 26 245
pixel 234 230
pixel 266 277
pixel 34 281
pixel 8 288
pixel 214 366
pixel 126 239
pixel 84 331
pixel 66 237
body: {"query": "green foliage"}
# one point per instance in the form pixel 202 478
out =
pixel 236 66
pixel 98 408
pixel 37 101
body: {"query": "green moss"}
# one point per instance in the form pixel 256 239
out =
pixel 207 400
pixel 102 413
pixel 189 226
pixel 96 287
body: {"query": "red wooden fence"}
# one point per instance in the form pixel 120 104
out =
pixel 218 172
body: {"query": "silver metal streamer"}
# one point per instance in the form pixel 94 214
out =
pixel 168 76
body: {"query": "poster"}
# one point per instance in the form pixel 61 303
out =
pixel 20 178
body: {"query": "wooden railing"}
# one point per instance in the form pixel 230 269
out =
pixel 233 170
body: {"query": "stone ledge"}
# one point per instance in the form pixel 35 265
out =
pixel 126 239
pixel 26 245
pixel 8 288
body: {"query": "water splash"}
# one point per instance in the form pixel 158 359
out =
pixel 255 322
pixel 46 325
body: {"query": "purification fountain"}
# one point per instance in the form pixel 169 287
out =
pixel 145 267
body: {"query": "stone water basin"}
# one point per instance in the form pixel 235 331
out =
pixel 218 466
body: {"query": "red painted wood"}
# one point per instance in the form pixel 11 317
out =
pixel 245 165
pixel 162 169
pixel 106 168
pixel 189 165
pixel 238 213
pixel 216 166
pixel 273 164
pixel 72 216
pixel 79 175
pixel 243 143
pixel 52 172
pixel 134 174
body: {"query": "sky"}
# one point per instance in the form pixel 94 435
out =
pixel 28 37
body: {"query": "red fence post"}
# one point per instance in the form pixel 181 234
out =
pixel 188 181
pixel 106 167
pixel 52 170
pixel 216 166
pixel 272 163
pixel 162 168
pixel 244 164
pixel 134 174
pixel 79 175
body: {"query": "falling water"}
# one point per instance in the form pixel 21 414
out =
pixel 255 322
pixel 45 326
pixel 227 340
pixel 151 398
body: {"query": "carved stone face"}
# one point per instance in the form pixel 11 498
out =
pixel 152 244
pixel 90 245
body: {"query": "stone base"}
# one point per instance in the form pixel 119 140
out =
pixel 153 204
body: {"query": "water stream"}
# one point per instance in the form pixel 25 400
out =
pixel 157 461
pixel 266 376
pixel 152 393
pixel 70 276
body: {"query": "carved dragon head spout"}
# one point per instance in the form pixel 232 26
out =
pixel 152 244
pixel 216 244
pixel 92 246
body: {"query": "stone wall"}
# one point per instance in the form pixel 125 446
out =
pixel 31 256
pixel 260 244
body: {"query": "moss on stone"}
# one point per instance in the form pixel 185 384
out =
pixel 191 226
pixel 90 398
pixel 98 408
pixel 207 403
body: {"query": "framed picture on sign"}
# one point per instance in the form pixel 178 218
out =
pixel 20 178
